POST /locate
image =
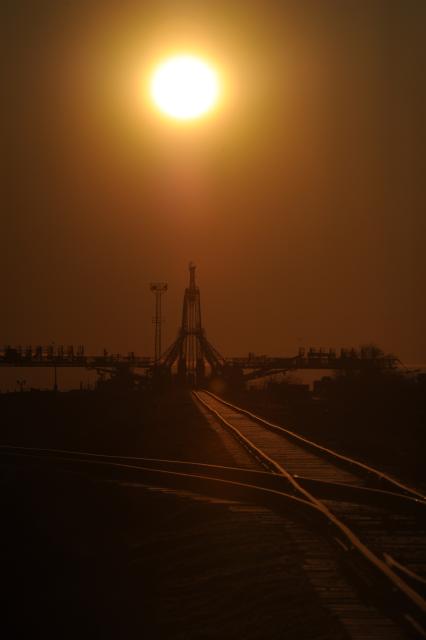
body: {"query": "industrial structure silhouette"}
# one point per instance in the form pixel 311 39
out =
pixel 191 357
pixel 191 349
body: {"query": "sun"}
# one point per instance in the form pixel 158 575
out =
pixel 185 87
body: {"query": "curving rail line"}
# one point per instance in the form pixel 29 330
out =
pixel 372 531
pixel 351 503
pixel 351 466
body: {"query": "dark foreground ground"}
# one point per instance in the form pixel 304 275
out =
pixel 96 556
pixel 90 556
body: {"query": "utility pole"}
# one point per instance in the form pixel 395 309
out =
pixel 158 288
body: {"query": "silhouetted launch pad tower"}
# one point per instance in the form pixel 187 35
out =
pixel 191 350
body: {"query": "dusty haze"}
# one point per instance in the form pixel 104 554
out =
pixel 301 201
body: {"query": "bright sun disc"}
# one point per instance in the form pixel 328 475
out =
pixel 184 87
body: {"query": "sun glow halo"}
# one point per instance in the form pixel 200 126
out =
pixel 184 87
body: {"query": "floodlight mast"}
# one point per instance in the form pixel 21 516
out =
pixel 158 288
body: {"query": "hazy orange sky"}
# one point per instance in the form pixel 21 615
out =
pixel 301 201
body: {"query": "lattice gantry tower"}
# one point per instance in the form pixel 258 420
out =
pixel 191 350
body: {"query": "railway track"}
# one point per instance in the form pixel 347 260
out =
pixel 377 519
pixel 376 523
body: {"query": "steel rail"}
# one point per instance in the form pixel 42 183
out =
pixel 158 472
pixel 381 475
pixel 228 489
pixel 334 490
pixel 415 602
pixel 240 474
